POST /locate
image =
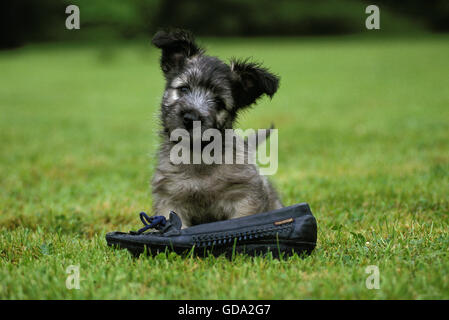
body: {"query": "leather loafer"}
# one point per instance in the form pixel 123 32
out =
pixel 282 232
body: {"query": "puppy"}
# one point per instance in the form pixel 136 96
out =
pixel 203 89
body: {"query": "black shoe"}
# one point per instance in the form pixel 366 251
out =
pixel 281 232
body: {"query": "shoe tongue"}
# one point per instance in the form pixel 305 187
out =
pixel 175 221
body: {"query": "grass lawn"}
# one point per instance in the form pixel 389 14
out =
pixel 363 138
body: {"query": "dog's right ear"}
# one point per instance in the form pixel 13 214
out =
pixel 176 45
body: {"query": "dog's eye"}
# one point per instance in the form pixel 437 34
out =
pixel 184 89
pixel 220 103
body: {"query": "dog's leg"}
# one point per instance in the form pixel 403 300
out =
pixel 242 207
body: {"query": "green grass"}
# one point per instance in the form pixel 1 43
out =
pixel 363 138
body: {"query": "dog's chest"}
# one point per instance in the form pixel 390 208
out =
pixel 190 186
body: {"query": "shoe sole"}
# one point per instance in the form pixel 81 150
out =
pixel 261 247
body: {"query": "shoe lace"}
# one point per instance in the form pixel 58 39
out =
pixel 156 222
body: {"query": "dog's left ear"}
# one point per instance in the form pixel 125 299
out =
pixel 251 81
pixel 176 45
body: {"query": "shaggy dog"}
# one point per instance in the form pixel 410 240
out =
pixel 203 89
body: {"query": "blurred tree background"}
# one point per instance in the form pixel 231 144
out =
pixel 44 20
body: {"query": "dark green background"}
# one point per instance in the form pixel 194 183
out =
pixel 44 20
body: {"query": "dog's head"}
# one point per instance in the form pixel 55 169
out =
pixel 203 88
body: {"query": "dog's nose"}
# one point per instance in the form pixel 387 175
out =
pixel 188 119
